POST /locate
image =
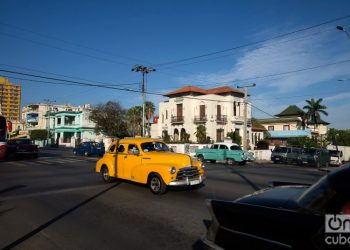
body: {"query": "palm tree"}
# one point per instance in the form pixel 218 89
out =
pixel 314 109
pixel 149 112
pixel 134 120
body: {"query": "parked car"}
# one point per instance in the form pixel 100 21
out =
pixel 89 148
pixel 229 152
pixel 281 217
pixel 285 154
pixel 149 161
pixel 21 147
pixel 314 157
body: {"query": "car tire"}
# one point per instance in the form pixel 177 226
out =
pixel 75 152
pixel 86 153
pixel 317 164
pixel 105 175
pixel 156 184
pixel 326 165
pixel 230 161
pixel 200 158
pixel 212 161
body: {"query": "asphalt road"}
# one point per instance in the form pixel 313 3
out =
pixel 58 202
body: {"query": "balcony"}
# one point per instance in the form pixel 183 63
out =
pixel 221 119
pixel 177 120
pixel 237 119
pixel 200 119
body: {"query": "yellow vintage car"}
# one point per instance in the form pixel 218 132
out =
pixel 149 161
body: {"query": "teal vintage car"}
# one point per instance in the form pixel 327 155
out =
pixel 229 152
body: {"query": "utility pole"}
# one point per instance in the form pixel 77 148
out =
pixel 144 70
pixel 49 102
pixel 245 89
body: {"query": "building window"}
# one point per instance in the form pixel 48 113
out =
pixel 234 109
pixel 59 121
pixel 285 127
pixel 166 114
pixel 162 118
pixel 270 128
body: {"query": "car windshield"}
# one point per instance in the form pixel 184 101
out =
pixel 154 146
pixel 280 150
pixel 309 151
pixel 334 152
pixel 315 198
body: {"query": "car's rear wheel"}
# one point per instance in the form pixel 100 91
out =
pixel 86 153
pixel 230 161
pixel 156 184
pixel 105 175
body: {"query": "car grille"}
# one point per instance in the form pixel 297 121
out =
pixel 187 172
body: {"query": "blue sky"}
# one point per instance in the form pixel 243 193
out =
pixel 102 40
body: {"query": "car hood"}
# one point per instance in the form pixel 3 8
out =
pixel 277 197
pixel 174 159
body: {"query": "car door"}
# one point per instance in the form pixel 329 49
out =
pixel 130 161
pixel 111 159
pixel 212 152
pixel 222 152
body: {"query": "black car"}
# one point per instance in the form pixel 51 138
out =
pixel 284 216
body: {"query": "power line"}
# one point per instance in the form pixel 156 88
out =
pixel 252 43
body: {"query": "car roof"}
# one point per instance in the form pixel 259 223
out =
pixel 226 143
pixel 137 140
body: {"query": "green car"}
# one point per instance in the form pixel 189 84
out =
pixel 315 157
pixel 229 152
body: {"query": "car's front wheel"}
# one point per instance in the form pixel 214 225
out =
pixel 86 153
pixel 230 161
pixel 201 158
pixel 105 175
pixel 156 184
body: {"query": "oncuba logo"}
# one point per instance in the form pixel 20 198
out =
pixel 337 223
pixel 337 228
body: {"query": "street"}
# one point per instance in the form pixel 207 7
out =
pixel 58 202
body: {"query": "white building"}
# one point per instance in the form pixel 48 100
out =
pixel 220 110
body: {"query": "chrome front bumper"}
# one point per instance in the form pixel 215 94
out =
pixel 188 181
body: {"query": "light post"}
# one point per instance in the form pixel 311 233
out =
pixel 245 89
pixel 341 28
pixel 144 70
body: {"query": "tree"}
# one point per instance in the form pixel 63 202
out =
pixel 235 137
pixel 201 134
pixel 149 112
pixel 314 109
pixel 109 119
pixel 339 137
pixel 38 134
pixel 134 120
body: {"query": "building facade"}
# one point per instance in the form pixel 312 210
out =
pixel 220 110
pixel 290 123
pixel 10 100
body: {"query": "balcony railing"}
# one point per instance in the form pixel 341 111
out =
pixel 221 119
pixel 177 119
pixel 238 119
pixel 200 119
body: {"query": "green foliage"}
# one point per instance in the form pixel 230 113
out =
pixel 185 138
pixel 314 111
pixel 235 137
pixel 304 142
pixel 166 136
pixel 110 119
pixel 342 137
pixel 38 134
pixel 134 120
pixel 201 134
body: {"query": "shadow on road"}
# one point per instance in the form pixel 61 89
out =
pixel 255 187
pixel 50 222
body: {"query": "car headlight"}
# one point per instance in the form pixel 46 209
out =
pixel 172 170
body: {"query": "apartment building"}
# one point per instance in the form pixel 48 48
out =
pixel 220 110
pixel 10 100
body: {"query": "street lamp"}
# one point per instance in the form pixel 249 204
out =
pixel 144 70
pixel 341 28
